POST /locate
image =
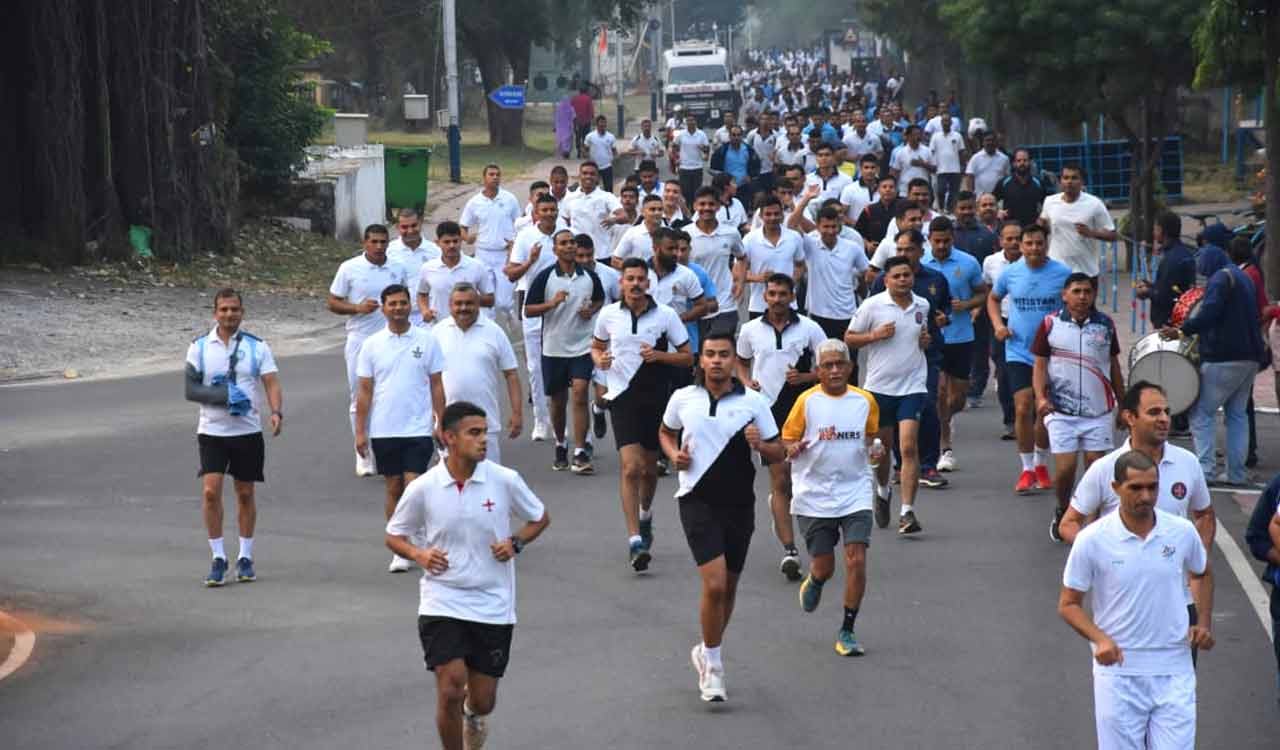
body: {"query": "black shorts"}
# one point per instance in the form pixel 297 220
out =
pixel 781 410
pixel 1018 375
pixel 559 372
pixel 241 456
pixel 402 455
pixel 835 328
pixel 485 648
pixel 718 531
pixel 636 418
pixel 956 359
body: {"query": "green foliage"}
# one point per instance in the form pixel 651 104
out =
pixel 270 115
pixel 1229 46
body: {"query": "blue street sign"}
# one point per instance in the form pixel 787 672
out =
pixel 508 97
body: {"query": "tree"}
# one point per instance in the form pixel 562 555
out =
pixel 1125 59
pixel 1238 43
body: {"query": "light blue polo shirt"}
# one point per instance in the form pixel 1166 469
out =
pixel 1033 294
pixel 963 273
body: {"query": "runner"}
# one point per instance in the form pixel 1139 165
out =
pixel 690 149
pixel 637 241
pixel 1144 684
pixel 478 362
pixel 467 596
pixel 675 213
pixel 1010 234
pixel 876 219
pixel 534 251
pixel 771 249
pixel 836 268
pixel 907 216
pixel 355 291
pixel 592 210
pixel 730 210
pixel 1075 349
pixel 440 275
pixel 895 326
pixel 776 357
pixel 1077 221
pixel 631 344
pixel 566 296
pixel 488 222
pixel 601 147
pixel 911 161
pixel 829 438
pixel 722 423
pixel 223 377
pixel 609 281
pixel 411 251
pixel 1034 285
pixel 714 246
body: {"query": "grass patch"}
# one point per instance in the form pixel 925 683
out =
pixel 1207 180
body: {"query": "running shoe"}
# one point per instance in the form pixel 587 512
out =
pixel 1054 533
pixel 217 573
pixel 1008 433
pixel 847 645
pixel 541 432
pixel 664 466
pixel 948 460
pixel 711 684
pixel 975 402
pixel 640 557
pixel 562 458
pixel 599 425
pixel 882 506
pixel 699 660
pixel 399 565
pixel 646 532
pixel 908 524
pixel 1222 482
pixel 582 463
pixel 244 571
pixel 1043 480
pixel 1026 483
pixel 364 465
pixel 475 730
pixel 932 479
pixel 790 566
pixel 810 593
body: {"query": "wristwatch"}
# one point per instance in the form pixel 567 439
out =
pixel 517 544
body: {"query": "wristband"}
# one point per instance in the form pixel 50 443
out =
pixel 517 544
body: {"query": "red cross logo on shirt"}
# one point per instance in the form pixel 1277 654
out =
pixel 488 505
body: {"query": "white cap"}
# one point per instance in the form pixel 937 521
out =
pixel 976 124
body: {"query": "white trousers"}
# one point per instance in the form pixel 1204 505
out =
pixel 502 288
pixel 1145 712
pixel 352 352
pixel 533 365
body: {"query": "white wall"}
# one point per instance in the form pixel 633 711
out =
pixel 360 189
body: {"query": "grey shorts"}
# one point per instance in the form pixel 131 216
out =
pixel 822 534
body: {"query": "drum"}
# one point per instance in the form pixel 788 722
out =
pixel 1172 364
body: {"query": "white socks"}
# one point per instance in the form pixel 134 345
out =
pixel 906 508
pixel 1042 457
pixel 634 540
pixel 1028 461
pixel 246 547
pixel 712 655
pixel 646 514
pixel 215 546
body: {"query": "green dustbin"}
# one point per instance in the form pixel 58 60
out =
pixel 406 177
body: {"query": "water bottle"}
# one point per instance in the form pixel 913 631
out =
pixel 876 453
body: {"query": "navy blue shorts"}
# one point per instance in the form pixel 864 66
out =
pixel 895 409
pixel 402 455
pixel 559 372
pixel 1018 375
pixel 956 359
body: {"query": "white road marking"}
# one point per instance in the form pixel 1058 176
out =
pixel 1249 581
pixel 24 641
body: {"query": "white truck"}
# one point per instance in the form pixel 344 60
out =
pixel 695 77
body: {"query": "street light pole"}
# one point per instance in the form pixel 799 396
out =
pixel 451 77
pixel 617 50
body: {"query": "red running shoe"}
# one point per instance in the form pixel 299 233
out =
pixel 1026 483
pixel 1043 480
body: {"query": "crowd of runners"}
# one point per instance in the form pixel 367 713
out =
pixel 711 323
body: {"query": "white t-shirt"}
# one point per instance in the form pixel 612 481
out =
pixel 493 218
pixel 773 353
pixel 707 431
pixel 722 135
pixel 463 522
pixel 437 280
pixel 831 478
pixel 690 147
pixel 585 212
pixel 677 290
pixel 636 242
pixel 895 366
pixel 946 148
pixel 1182 485
pixel 714 251
pixel 764 256
pixel 733 215
pixel 475 361
pixel 522 248
pixel 358 280
pixel 412 260
pixel 1067 245
pixel 611 280
pixel 860 145
pixel 887 248
pixel 992 266
pixel 765 147
pixel 1137 591
pixel 833 275
pixel 252 355
pixel 934 125
pixel 650 149
pixel 786 156
pixel 901 163
pixel 856 197
pixel 987 170
pixel 830 187
pixel 600 148
pixel 624 332
pixel 401 365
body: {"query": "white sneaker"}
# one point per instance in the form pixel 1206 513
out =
pixel 399 565
pixel 475 731
pixel 947 462
pixel 364 466
pixel 699 661
pixel 541 432
pixel 712 685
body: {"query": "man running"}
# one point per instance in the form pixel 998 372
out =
pixel 770 249
pixel 410 250
pixel 1010 235
pixel 690 148
pixel 829 438
pixel 1076 377
pixel 775 357
pixel 440 275
pixel 222 372
pixel 895 326
pixel 631 345
pixel 355 292
pixel 399 390
pixel 708 431
pixel 836 267
pixel 609 281
pixel 637 241
pixel 714 246
pixel 462 510
pixel 593 210
pixel 1034 284
pixel 488 222
pixel 602 146
pixel 534 251
pixel 1144 683
pixel 478 363
pixel 1077 223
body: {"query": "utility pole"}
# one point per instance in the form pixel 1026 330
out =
pixel 451 77
pixel 617 54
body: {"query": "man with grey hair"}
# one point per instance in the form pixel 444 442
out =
pixel 830 437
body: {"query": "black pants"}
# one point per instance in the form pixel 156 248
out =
pixel 1275 628
pixel 1252 456
pixel 948 186
pixel 690 181
pixel 980 368
pixel 1002 381
pixel 606 178
pixel 580 132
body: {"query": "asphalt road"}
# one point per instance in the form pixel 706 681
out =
pixel 100 534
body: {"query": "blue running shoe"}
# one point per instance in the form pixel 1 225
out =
pixel 640 557
pixel 847 645
pixel 646 532
pixel 244 570
pixel 217 572
pixel 810 593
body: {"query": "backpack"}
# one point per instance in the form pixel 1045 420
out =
pixel 1257 534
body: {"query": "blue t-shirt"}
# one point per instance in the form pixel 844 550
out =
pixel 708 292
pixel 1033 294
pixel 735 161
pixel 963 273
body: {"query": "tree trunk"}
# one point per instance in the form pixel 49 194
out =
pixel 506 126
pixel 1271 264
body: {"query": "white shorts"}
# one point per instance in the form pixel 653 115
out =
pixel 1145 712
pixel 1069 434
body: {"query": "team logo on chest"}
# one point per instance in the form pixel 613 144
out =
pixel 417 352
pixel 1178 490
pixel 1166 551
pixel 831 433
pixel 919 318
